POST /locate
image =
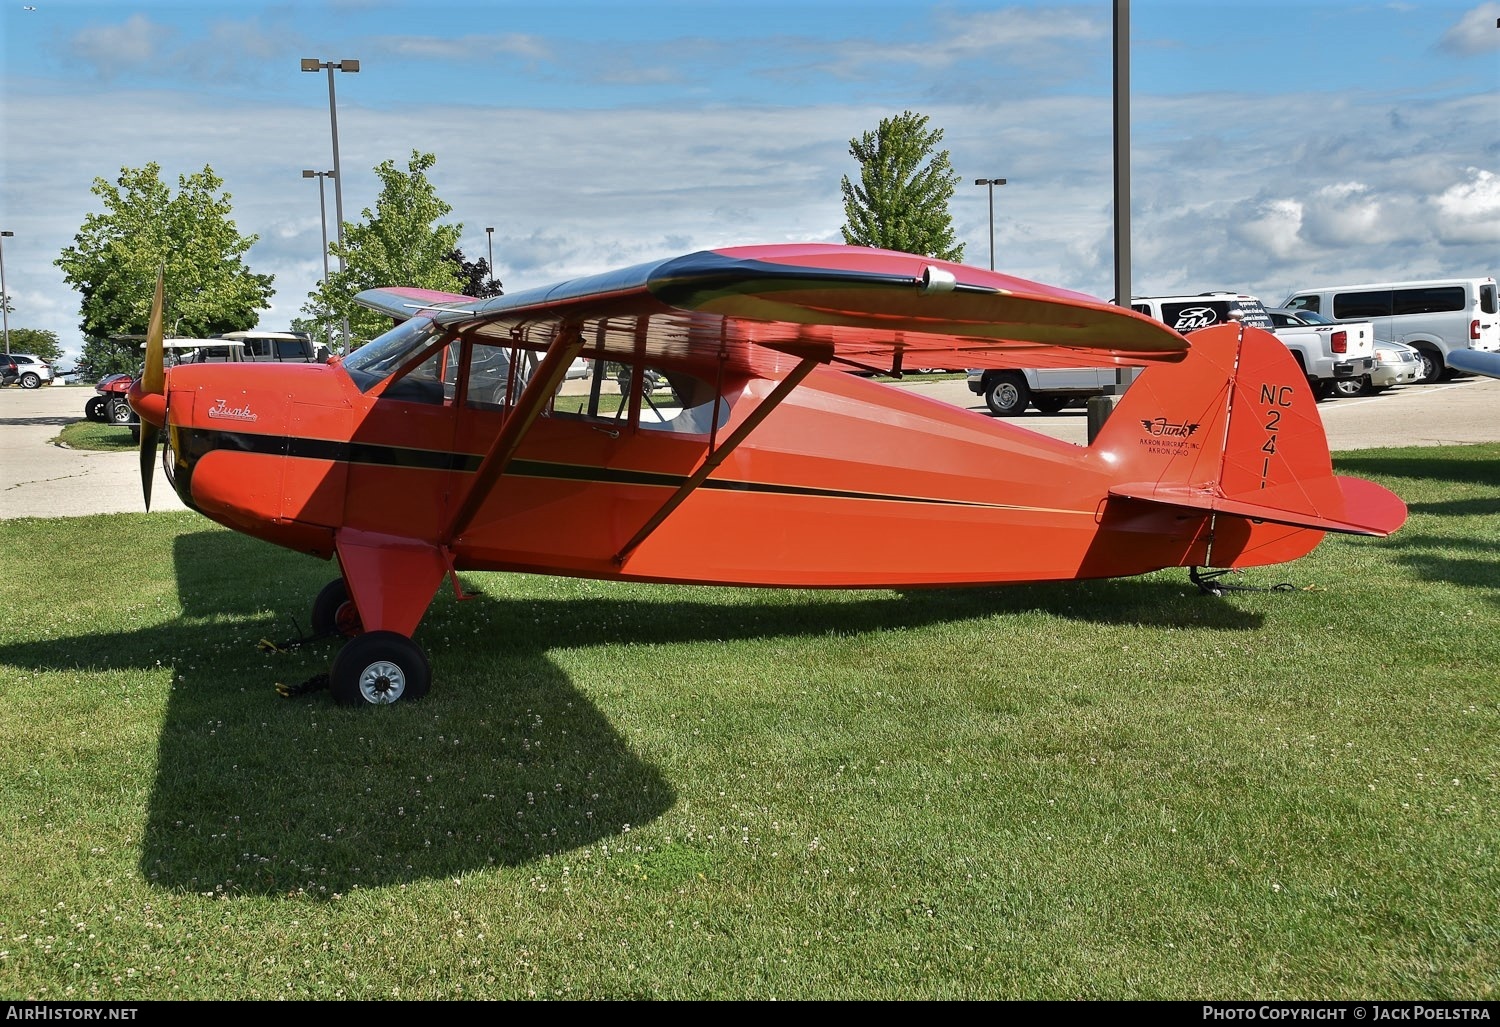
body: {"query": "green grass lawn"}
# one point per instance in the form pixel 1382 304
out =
pixel 1109 790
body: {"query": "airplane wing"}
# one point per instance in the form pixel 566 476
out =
pixel 1475 361
pixel 760 309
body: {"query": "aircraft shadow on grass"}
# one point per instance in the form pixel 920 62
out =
pixel 258 794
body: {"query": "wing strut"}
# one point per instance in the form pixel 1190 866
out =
pixel 717 456
pixel 549 374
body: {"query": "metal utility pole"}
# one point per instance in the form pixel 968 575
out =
pixel 991 182
pixel 313 64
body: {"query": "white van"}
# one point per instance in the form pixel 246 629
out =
pixel 1433 316
pixel 1189 313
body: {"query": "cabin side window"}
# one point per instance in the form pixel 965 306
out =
pixel 666 400
pixel 491 384
pixel 677 401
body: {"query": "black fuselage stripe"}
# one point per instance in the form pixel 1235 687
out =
pixel 332 450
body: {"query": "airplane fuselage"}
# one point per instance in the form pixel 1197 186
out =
pixel 847 483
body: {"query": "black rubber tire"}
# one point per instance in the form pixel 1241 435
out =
pixel 1323 388
pixel 1050 404
pixel 119 411
pixel 334 613
pixel 1007 394
pixel 1344 388
pixel 93 410
pixel 1433 368
pixel 379 668
pixel 29 380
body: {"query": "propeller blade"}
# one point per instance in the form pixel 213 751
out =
pixel 150 435
pixel 153 378
pixel 153 382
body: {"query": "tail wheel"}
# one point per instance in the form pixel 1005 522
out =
pixel 334 613
pixel 379 668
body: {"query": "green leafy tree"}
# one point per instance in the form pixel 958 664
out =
pixel 901 201
pixel 400 243
pixel 38 341
pixel 475 276
pixel 189 236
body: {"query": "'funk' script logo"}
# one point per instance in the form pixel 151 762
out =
pixel 221 410
pixel 1162 427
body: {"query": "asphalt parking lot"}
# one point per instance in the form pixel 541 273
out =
pixel 39 478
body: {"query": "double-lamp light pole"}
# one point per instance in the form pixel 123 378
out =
pixel 313 64
pixel 991 182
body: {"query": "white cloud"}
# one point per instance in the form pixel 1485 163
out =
pixel 1470 210
pixel 1475 33
pixel 113 49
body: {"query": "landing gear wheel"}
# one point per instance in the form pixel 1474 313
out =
pixel 1007 395
pixel 334 613
pixel 1049 404
pixel 379 668
pixel 93 410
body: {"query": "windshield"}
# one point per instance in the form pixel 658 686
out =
pixel 379 358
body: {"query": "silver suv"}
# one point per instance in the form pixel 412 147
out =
pixel 32 371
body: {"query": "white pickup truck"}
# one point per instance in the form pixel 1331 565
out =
pixel 1329 351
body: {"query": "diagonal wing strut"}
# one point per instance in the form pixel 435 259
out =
pixel 549 374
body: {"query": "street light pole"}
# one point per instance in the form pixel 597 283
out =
pixel 991 182
pixel 313 64
pixel 323 215
pixel 490 232
pixel 5 296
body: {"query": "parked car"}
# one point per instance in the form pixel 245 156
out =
pixel 10 371
pixel 1329 351
pixel 1436 315
pixel 33 371
pixel 1395 364
pixel 1009 392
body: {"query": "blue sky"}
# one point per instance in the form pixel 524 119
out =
pixel 1274 144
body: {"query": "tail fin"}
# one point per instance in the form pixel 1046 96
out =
pixel 1233 429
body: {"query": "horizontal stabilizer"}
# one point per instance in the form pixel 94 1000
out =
pixel 1352 507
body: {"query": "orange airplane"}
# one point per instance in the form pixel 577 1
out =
pixel 720 439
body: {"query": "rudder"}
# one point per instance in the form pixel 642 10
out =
pixel 1234 429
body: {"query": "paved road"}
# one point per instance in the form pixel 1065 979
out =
pixel 38 478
